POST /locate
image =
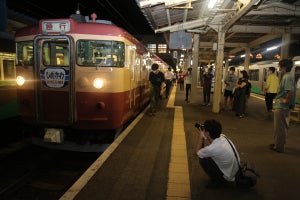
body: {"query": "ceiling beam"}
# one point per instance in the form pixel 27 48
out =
pixel 256 42
pixel 264 29
pixel 183 26
pixel 244 10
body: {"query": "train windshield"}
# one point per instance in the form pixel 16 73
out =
pixel 56 53
pixel 100 53
pixel 25 53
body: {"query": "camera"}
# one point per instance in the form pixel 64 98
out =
pixel 199 126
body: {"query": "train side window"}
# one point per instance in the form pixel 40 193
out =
pixel 254 75
pixel 100 53
pixel 24 53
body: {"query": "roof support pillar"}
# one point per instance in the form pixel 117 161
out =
pixel 247 59
pixel 195 51
pixel 285 45
pixel 219 69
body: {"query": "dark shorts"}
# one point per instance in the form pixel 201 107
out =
pixel 228 93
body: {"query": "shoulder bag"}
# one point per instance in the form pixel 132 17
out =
pixel 246 176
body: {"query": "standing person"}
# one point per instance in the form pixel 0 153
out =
pixel 229 81
pixel 271 88
pixel 188 83
pixel 169 75
pixel 217 158
pixel 240 95
pixel 181 80
pixel 284 101
pixel 156 78
pixel 207 80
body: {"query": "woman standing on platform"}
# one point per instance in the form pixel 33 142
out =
pixel 188 83
pixel 240 95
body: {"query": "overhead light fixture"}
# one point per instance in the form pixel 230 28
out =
pixel 271 48
pixel 212 3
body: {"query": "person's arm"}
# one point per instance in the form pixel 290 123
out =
pixel 200 141
pixel 288 97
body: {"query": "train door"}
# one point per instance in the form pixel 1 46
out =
pixel 130 57
pixel 54 74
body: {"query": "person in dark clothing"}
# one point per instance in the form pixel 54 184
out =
pixel 156 78
pixel 207 81
pixel 240 95
pixel 188 84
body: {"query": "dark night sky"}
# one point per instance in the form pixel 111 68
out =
pixel 124 13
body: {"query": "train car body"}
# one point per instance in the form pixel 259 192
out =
pixel 8 91
pixel 82 78
pixel 258 73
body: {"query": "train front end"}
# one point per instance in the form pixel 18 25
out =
pixel 72 86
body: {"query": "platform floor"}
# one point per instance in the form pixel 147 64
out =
pixel 154 158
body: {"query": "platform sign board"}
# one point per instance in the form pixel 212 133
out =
pixel 180 40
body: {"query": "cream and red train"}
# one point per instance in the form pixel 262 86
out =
pixel 79 79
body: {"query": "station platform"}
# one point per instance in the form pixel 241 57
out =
pixel 154 158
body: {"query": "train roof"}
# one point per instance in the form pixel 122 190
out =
pixel 79 26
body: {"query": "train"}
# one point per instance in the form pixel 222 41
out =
pixel 8 90
pixel 258 72
pixel 80 81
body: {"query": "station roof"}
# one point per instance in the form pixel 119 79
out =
pixel 248 23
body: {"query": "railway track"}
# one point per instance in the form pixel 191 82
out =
pixel 38 173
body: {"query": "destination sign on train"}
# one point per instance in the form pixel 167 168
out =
pixel 56 26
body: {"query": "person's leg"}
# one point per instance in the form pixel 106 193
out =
pixel 208 95
pixel 204 96
pixel 269 101
pixel 281 125
pixel 212 170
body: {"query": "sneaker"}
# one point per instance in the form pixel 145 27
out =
pixel 208 104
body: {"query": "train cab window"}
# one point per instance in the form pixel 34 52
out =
pixel 56 53
pixel 100 53
pixel 24 53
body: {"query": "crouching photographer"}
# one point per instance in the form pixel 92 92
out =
pixel 216 155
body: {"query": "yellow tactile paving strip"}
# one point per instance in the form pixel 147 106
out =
pixel 179 179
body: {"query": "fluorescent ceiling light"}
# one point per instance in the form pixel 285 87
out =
pixel 212 3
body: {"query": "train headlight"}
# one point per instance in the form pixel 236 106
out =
pixel 20 80
pixel 98 83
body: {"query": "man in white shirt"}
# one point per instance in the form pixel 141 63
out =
pixel 217 158
pixel 169 75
